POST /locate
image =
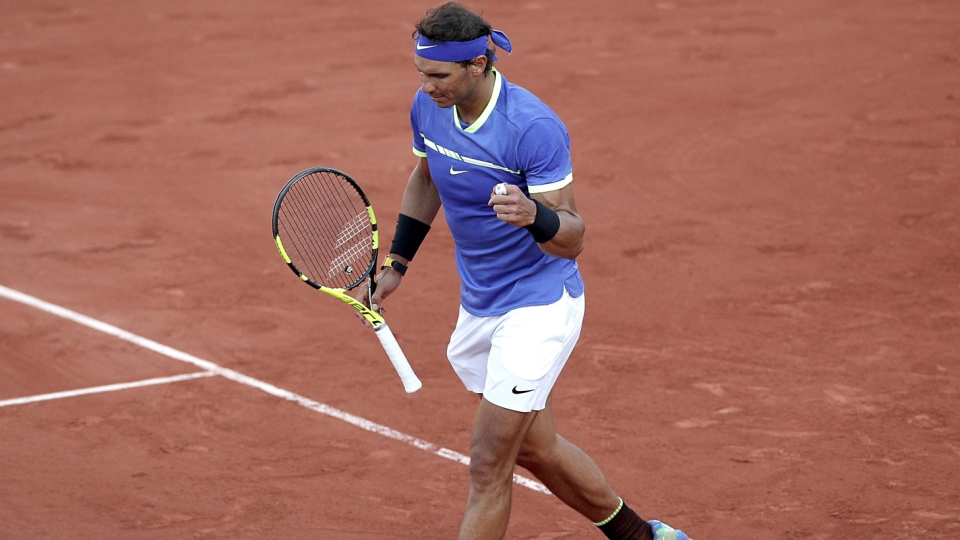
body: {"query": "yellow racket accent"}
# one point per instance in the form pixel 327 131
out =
pixel 372 317
pixel 376 233
pixel 282 251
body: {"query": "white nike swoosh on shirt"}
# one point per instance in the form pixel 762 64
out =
pixel 454 171
pixel 422 47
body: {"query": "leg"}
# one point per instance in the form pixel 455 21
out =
pixel 577 481
pixel 497 436
pixel 566 470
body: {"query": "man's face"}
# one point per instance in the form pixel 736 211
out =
pixel 448 83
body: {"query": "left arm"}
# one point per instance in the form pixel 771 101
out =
pixel 516 209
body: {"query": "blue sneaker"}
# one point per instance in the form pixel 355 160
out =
pixel 662 531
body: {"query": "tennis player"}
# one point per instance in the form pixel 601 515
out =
pixel 521 303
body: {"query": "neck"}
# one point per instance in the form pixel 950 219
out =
pixel 470 109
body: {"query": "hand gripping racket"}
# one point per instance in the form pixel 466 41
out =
pixel 326 232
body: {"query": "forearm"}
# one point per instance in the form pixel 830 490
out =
pixel 551 218
pixel 568 243
pixel 421 201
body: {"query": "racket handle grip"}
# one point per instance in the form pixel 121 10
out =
pixel 410 381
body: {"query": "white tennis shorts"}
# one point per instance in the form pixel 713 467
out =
pixel 514 359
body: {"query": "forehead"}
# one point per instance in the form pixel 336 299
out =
pixel 434 67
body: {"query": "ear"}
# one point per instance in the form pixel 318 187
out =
pixel 478 66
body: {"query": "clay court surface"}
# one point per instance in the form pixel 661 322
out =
pixel 772 198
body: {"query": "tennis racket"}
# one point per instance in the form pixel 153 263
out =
pixel 326 231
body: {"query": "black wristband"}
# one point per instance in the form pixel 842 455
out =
pixel 545 225
pixel 408 237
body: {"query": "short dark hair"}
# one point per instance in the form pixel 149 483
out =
pixel 454 21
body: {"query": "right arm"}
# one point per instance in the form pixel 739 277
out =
pixel 421 201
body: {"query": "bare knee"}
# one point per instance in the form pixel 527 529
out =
pixel 534 456
pixel 489 470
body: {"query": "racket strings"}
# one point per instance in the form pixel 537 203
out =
pixel 318 221
pixel 357 230
pixel 305 229
pixel 325 221
pixel 352 242
pixel 328 264
pixel 297 227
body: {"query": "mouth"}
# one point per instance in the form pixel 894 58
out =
pixel 441 100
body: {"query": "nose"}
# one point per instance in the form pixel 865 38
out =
pixel 426 86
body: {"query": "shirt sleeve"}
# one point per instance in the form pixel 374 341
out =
pixel 544 155
pixel 418 147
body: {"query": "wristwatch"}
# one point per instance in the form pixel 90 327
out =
pixel 396 265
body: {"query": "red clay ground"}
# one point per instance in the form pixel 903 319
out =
pixel 773 272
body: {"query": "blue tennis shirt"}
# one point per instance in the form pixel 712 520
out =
pixel 518 140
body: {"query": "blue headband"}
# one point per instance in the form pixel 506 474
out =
pixel 459 51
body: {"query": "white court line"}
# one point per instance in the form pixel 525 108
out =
pixel 250 381
pixel 106 388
